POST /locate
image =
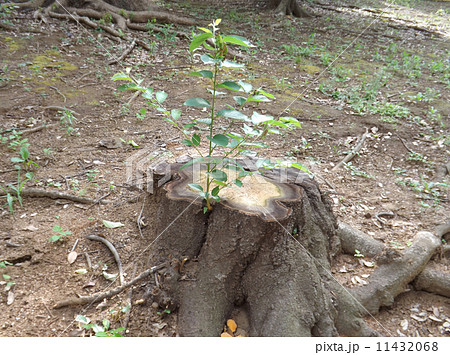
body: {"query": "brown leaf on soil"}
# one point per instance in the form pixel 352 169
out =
pixel 226 335
pixel 72 257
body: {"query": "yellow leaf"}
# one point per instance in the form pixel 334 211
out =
pixel 231 324
pixel 216 23
pixel 226 335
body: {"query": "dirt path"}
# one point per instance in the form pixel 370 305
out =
pixel 391 77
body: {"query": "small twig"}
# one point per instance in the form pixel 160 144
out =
pixel 354 151
pixel 99 200
pixel 113 251
pixel 124 54
pixel 139 218
pixel 389 214
pixel 130 296
pixel 74 245
pixel 107 294
pixel 404 144
pixel 59 92
pixel 88 260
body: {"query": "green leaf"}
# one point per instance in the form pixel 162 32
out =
pixel 240 41
pixel 203 73
pixel 204 29
pixel 148 93
pixel 238 182
pixel 189 125
pixel 121 76
pixel 259 98
pixel 258 118
pixel 197 102
pixel 266 94
pixel 220 140
pixel 112 225
pixel 230 64
pixel 206 121
pixel 57 229
pixel 196 187
pixel 245 86
pixel 187 142
pixel 300 167
pixel 219 175
pixel 127 86
pixel 240 100
pixel 250 131
pixel 276 123
pixel 215 191
pixel 161 96
pixel 198 40
pixel 207 59
pixel 232 114
pixel 196 139
pixel 17 160
pixel 217 22
pixel 175 113
pixel 230 85
pixel 255 144
pixel 291 120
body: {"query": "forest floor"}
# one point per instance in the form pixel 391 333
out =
pixel 391 77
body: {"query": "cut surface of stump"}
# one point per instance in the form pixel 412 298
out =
pixel 264 247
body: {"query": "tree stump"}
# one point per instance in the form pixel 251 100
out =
pixel 266 247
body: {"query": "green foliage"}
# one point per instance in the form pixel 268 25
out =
pixel 13 192
pixel 240 133
pixel 103 330
pixel 60 234
pixel 6 277
pixel 68 120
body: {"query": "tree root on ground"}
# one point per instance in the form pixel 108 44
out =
pixel 396 270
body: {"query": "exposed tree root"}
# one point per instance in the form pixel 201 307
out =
pixel 113 251
pixel 290 7
pixel 352 239
pixel 391 279
pixel 433 281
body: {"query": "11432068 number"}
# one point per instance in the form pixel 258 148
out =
pixel 407 346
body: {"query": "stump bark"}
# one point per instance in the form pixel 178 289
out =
pixel 271 257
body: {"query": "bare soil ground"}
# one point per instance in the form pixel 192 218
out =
pixel 391 77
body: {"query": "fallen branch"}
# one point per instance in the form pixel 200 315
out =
pixel 60 108
pixel 35 192
pixel 113 251
pixel 99 296
pixel 354 151
pixel 124 54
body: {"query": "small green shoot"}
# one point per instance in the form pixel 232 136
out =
pixel 60 234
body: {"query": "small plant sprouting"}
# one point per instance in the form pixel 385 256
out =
pixel 238 132
pixel 14 192
pixel 67 119
pixel 60 234
pixel 6 277
pixel 358 254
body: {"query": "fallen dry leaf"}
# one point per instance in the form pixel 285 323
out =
pixel 231 324
pixel 226 335
pixel 72 257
